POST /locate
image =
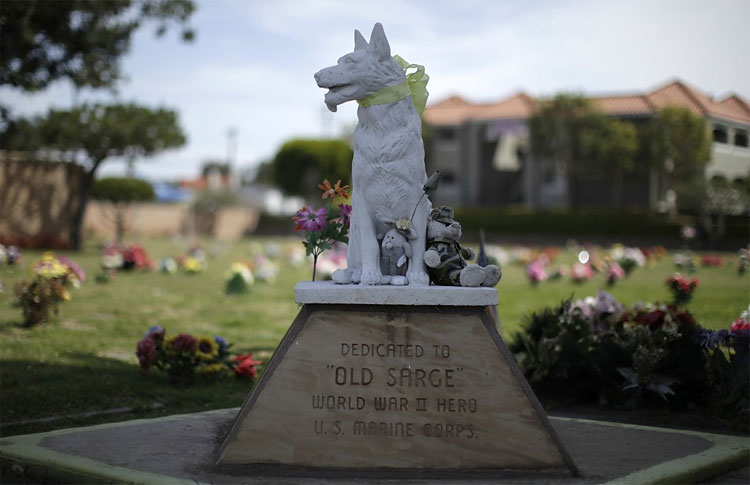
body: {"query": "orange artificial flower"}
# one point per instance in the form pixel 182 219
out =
pixel 328 191
pixel 341 191
pixel 335 191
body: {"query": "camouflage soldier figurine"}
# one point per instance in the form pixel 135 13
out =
pixel 446 259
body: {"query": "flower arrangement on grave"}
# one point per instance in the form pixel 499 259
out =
pixel 743 262
pixel 264 269
pixel 595 350
pixel 168 265
pixel 536 272
pixel 9 255
pixel 728 367
pixel 627 257
pixel 325 226
pixel 193 262
pixel 580 273
pixel 129 257
pixel 712 260
pixel 614 273
pixel 686 261
pixel 238 279
pixel 186 357
pixel 52 277
pixel 682 288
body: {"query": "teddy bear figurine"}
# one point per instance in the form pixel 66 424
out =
pixel 446 259
pixel 395 250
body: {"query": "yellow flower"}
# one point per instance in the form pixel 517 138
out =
pixel 49 267
pixel 193 265
pixel 207 348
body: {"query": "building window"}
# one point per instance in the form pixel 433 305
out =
pixel 447 177
pixel 720 134
pixel 446 134
pixel 740 138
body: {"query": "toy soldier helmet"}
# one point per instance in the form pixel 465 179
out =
pixel 442 214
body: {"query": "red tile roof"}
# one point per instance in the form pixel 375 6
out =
pixel 456 110
pixel 624 105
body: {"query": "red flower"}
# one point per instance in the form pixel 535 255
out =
pixel 184 342
pixel 740 324
pixel 246 366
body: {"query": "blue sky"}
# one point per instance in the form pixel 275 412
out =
pixel 252 63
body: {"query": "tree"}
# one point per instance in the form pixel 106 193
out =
pixel 120 193
pixel 92 134
pixel 79 40
pixel 683 143
pixel 301 164
pixel 569 131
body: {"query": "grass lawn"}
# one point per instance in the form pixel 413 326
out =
pixel 83 360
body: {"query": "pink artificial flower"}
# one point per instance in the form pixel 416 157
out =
pixel 614 273
pixel 308 219
pixel 536 272
pixel 73 267
pixel 581 272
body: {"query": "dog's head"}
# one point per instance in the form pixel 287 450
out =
pixel 362 72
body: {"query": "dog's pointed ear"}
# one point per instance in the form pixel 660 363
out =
pixel 359 41
pixel 379 43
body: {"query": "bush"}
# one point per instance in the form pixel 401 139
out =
pixel 300 163
pixel 122 190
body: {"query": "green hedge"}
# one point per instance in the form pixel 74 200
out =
pixel 561 225
pixel 573 224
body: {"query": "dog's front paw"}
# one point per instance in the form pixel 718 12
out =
pixel 399 280
pixel 342 276
pixel 418 278
pixel 370 278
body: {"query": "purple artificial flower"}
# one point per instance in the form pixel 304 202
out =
pixel 345 213
pixel 156 333
pixel 222 343
pixel 146 352
pixel 308 219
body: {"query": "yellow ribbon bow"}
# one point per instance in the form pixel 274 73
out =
pixel 414 86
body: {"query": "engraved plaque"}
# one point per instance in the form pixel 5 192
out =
pixel 393 387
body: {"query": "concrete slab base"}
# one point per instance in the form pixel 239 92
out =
pixel 182 449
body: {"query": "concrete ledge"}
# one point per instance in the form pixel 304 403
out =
pixel 329 293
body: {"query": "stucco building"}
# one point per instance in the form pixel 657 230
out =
pixel 483 151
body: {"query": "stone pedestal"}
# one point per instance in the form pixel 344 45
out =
pixel 394 378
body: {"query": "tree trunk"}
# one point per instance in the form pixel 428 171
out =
pixel 119 223
pixel 76 230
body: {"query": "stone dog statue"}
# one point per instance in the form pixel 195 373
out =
pixel 388 170
pixel 446 259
